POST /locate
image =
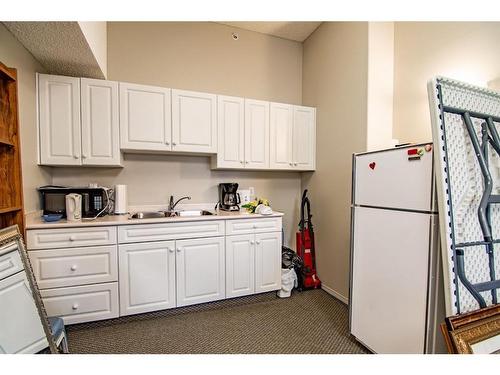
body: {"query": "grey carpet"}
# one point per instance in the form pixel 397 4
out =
pixel 308 322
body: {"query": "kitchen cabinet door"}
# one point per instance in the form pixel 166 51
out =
pixel 267 261
pixel 194 122
pixel 256 134
pixel 21 329
pixel 100 123
pixel 147 277
pixel 145 118
pixel 200 266
pixel 281 136
pixel 59 120
pixel 240 265
pixel 231 132
pixel 304 138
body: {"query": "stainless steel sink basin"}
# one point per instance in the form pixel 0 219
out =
pixel 194 213
pixel 147 215
pixel 162 214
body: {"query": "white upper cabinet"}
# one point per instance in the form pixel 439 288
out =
pixel 304 138
pixel 281 136
pixel 145 118
pixel 100 126
pixel 194 122
pixel 59 120
pixel 231 132
pixel 293 137
pixel 256 134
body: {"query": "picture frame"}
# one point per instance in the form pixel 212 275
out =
pixel 477 332
pixel 11 237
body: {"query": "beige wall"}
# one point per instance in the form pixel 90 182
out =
pixel 467 51
pixel 203 57
pixel 14 55
pixel 335 81
pixel 380 85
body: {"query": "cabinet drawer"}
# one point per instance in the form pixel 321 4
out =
pixel 170 231
pixel 80 304
pixel 10 264
pixel 70 237
pixel 75 266
pixel 249 226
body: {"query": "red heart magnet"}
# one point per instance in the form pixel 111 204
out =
pixel 372 165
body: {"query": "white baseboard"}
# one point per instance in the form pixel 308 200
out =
pixel 335 294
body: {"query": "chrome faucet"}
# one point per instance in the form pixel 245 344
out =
pixel 172 205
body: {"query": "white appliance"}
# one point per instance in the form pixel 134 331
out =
pixel 73 207
pixel 396 295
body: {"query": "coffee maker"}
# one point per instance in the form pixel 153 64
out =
pixel 229 199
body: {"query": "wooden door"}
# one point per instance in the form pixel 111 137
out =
pixel 200 266
pixel 59 120
pixel 267 261
pixel 256 134
pixel 281 136
pixel 194 122
pixel 231 132
pixel 100 122
pixel 147 277
pixel 145 118
pixel 240 265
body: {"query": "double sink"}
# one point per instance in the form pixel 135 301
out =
pixel 162 214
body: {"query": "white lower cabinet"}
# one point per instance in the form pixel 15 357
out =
pixel 147 277
pixel 253 263
pixel 267 261
pixel 200 270
pixel 240 265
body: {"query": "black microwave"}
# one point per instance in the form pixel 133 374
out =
pixel 95 201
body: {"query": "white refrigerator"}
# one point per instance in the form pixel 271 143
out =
pixel 396 295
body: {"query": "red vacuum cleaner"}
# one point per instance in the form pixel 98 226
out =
pixel 305 246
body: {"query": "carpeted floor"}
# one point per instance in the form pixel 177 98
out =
pixel 308 322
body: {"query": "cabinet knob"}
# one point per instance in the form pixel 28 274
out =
pixel 295 164
pixel 254 226
pixel 242 162
pixel 75 156
pixel 84 156
pixel 167 143
pixel 257 242
pixel 75 306
pixel 72 238
pixel 252 242
pixel 73 267
pixel 173 143
pixel 178 249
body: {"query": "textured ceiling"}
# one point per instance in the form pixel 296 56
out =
pixel 297 31
pixel 60 47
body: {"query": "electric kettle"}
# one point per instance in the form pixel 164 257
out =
pixel 73 207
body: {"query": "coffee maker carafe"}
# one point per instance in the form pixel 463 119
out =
pixel 229 199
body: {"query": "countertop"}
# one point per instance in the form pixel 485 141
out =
pixel 35 221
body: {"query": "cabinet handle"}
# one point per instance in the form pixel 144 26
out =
pixel 257 242
pixel 291 164
pixel 75 156
pixel 84 156
pixel 73 267
pixel 167 143
pixel 173 143
pixel 295 164
pixel 75 306
pixel 242 162
pixel 170 249
pixel 252 242
pixel 178 249
pixel 72 238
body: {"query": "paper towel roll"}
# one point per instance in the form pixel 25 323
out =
pixel 121 206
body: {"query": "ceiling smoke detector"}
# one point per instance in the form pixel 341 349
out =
pixel 235 36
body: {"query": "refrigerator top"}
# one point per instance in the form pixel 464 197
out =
pixel 412 145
